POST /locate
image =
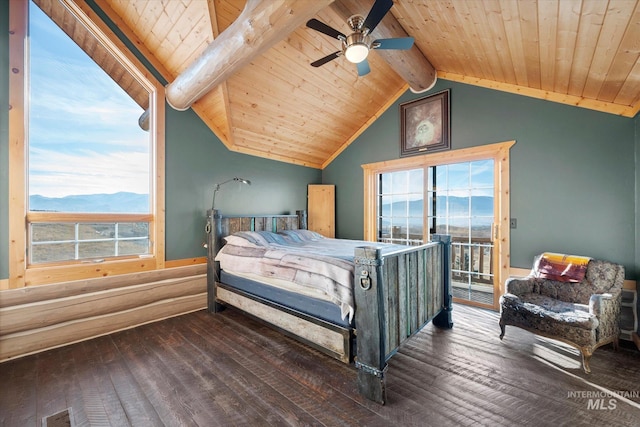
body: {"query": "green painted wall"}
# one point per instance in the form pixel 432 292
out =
pixel 196 160
pixel 572 171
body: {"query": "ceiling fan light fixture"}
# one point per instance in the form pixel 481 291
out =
pixel 356 52
pixel 356 46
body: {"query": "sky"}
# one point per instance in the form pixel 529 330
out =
pixel 84 136
pixel 458 179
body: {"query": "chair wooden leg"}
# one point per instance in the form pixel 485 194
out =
pixel 616 343
pixel 502 328
pixel 586 357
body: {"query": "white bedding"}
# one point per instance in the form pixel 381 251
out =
pixel 298 260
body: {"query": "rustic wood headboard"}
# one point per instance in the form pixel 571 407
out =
pixel 220 226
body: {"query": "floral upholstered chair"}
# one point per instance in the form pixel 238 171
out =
pixel 580 309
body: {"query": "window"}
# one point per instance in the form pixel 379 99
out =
pixel 93 175
pixel 462 193
pixel 463 198
pixel 401 207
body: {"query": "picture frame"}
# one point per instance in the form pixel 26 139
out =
pixel 424 124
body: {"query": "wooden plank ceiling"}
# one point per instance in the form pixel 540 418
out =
pixel 579 52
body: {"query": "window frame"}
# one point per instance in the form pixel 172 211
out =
pixel 21 273
pixel 380 195
pixel 499 152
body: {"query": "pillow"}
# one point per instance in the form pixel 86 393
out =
pixel 238 240
pixel 255 238
pixel 301 235
pixel 561 267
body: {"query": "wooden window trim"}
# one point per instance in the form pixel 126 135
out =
pixel 19 274
pixel 499 152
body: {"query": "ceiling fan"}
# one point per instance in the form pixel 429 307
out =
pixel 356 46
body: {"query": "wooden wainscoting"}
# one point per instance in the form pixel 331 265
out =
pixel 38 318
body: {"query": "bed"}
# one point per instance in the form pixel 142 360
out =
pixel 366 299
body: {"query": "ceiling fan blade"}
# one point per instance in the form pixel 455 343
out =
pixel 377 12
pixel 363 68
pixel 326 59
pixel 401 43
pixel 325 29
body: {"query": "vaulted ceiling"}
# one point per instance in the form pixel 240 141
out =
pixel 275 105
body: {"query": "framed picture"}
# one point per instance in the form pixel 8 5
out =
pixel 424 124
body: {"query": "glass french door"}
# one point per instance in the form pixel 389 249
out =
pixel 455 199
pixel 462 205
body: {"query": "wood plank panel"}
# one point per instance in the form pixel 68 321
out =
pixel 271 81
pixel 23 343
pixel 41 314
pixel 37 318
pixel 442 20
pixel 317 334
pixel 273 151
pixel 513 32
pixel 477 28
pixel 247 96
pixel 568 25
pixel 492 9
pixel 403 302
pixel 423 277
pixel 392 333
pixel 628 94
pixel 257 354
pixel 589 30
pixel 626 58
pixel 213 109
pixel 412 284
pixel 563 51
pixel 234 371
pixel 321 200
pixel 613 29
pixel 18 13
pixel 69 288
pixel 529 34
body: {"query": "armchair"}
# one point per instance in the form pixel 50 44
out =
pixel 583 314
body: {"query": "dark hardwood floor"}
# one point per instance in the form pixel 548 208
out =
pixel 226 369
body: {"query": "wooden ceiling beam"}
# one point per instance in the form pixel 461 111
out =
pixel 410 64
pixel 261 25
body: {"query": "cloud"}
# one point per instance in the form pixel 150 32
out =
pixel 56 174
pixel 79 102
pixel 84 136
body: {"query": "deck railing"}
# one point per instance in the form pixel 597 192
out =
pixel 472 258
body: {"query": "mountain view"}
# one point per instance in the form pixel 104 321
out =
pixel 482 206
pixel 457 222
pixel 94 203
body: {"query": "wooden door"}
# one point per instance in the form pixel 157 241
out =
pixel 321 205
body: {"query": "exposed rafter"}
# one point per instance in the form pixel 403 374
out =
pixel 260 26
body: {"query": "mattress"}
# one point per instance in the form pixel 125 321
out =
pixel 311 306
pixel 298 261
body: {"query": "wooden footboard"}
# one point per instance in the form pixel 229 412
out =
pixel 396 295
